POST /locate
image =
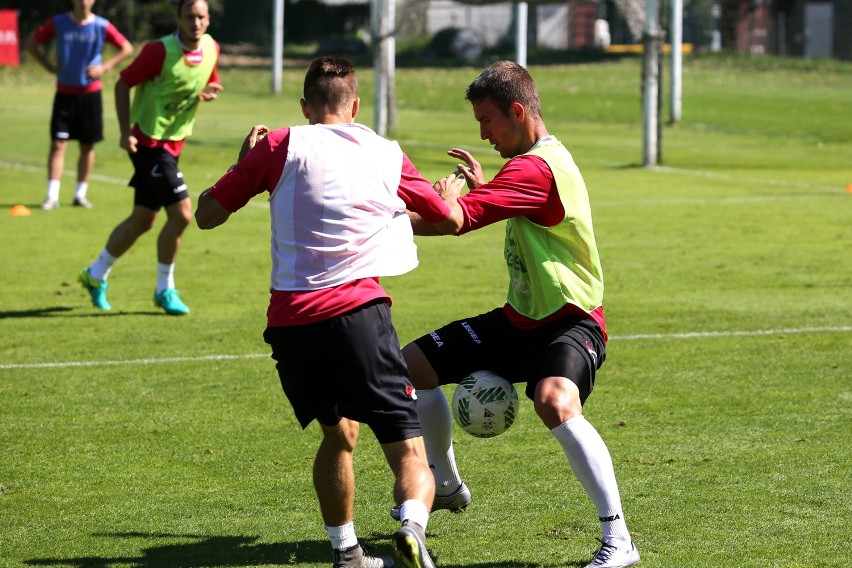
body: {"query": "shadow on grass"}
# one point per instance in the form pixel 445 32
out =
pixel 212 551
pixel 63 311
pixel 35 312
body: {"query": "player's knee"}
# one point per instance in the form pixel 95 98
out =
pixel 422 374
pixel 342 436
pixel 557 400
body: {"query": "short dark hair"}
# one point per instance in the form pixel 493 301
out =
pixel 330 83
pixel 503 83
pixel 180 4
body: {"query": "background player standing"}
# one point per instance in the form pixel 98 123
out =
pixel 80 37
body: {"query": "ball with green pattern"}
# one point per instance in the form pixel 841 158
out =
pixel 485 404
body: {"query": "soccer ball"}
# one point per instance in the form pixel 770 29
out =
pixel 485 404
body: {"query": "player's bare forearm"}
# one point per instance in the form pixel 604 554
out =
pixel 421 227
pixel 209 214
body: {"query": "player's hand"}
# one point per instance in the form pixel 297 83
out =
pixel 128 143
pixel 210 92
pixel 257 133
pixel 95 71
pixel 471 169
pixel 449 188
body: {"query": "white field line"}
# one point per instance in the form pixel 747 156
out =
pixel 686 335
pixel 101 178
pixel 132 361
pixel 823 189
pixel 756 332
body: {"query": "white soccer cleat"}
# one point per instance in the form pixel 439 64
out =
pixel 456 502
pixel 49 204
pixel 611 556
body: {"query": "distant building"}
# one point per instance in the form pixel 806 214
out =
pixel 804 28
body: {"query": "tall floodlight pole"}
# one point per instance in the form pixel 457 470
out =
pixel 277 45
pixel 650 83
pixel 521 13
pixel 677 60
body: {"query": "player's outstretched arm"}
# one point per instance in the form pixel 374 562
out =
pixel 209 214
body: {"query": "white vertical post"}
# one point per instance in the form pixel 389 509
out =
pixel 650 83
pixel 390 67
pixel 380 33
pixel 521 12
pixel 677 60
pixel 277 45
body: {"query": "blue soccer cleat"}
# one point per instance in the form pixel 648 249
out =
pixel 97 290
pixel 169 300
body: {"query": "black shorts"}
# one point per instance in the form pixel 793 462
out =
pixel 348 366
pixel 570 347
pixel 77 116
pixel 156 178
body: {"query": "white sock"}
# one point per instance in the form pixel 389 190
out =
pixel 437 423
pixel 342 537
pixel 82 188
pixel 415 511
pixel 589 458
pixel 165 276
pixel 53 189
pixel 101 268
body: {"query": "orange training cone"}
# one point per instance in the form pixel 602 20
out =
pixel 19 211
pixel 849 188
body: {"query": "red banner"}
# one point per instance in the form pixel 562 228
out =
pixel 10 46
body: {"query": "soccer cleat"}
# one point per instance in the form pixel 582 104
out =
pixel 611 556
pixel 456 502
pixel 410 546
pixel 81 202
pixel 356 557
pixel 49 204
pixel 169 300
pixel 97 290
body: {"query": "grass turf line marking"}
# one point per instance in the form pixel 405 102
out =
pixel 98 177
pixel 685 335
pixel 133 361
pixel 758 332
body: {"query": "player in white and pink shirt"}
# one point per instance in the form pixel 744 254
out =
pixel 339 196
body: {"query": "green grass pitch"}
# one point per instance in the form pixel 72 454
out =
pixel 131 439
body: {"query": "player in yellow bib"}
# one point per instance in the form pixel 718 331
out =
pixel 551 332
pixel 171 76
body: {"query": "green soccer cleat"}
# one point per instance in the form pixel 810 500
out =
pixel 169 300
pixel 97 290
